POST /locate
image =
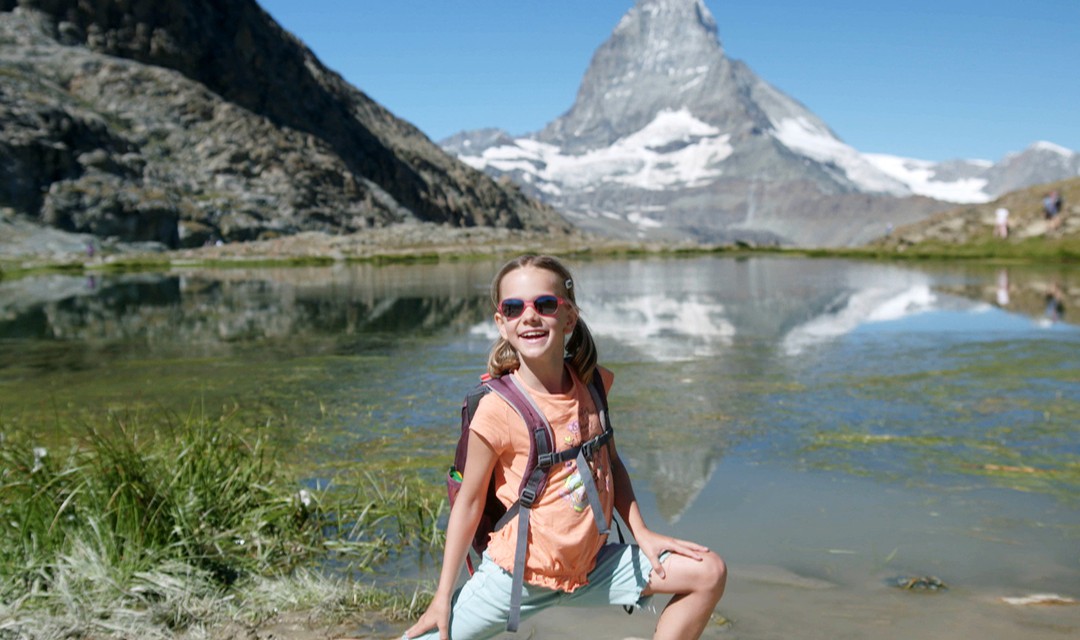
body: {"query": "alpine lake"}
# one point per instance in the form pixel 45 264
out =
pixel 878 450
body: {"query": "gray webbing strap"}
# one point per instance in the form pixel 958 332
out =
pixel 514 616
pixel 591 493
pixel 588 448
pixel 507 517
pixel 590 486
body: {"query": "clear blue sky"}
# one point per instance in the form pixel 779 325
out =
pixel 928 79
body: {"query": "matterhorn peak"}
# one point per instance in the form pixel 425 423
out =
pixel 668 137
pixel 658 58
pixel 668 32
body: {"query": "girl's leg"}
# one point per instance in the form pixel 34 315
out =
pixel 480 606
pixel 697 587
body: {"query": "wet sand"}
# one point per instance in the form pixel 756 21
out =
pixel 764 610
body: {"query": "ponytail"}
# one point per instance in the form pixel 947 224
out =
pixel 581 351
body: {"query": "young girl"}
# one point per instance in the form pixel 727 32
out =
pixel 567 561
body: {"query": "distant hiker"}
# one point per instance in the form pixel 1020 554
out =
pixel 1051 208
pixel 1001 222
pixel 546 354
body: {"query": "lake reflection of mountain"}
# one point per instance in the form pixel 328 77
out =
pixel 710 352
pixel 662 311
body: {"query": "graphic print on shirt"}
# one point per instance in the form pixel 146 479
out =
pixel 573 489
pixel 574 437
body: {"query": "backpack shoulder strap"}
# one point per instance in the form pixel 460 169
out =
pixel 541 436
pixel 533 480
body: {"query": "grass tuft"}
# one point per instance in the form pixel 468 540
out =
pixel 145 530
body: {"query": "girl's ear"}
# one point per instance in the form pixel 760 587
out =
pixel 500 324
pixel 571 321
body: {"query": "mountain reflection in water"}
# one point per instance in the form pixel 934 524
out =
pixel 641 307
pixel 706 349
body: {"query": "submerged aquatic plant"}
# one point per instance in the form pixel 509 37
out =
pixel 160 522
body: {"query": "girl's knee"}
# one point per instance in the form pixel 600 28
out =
pixel 714 573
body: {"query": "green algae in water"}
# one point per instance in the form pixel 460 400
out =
pixel 1004 421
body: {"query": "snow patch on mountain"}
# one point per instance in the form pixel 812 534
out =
pixel 816 143
pixel 1043 145
pixel 975 181
pixel 674 150
pixel 920 177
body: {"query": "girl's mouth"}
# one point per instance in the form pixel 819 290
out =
pixel 533 335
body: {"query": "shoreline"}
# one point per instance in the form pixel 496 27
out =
pixel 51 251
pixel 24 250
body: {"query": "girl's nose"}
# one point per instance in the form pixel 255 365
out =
pixel 529 314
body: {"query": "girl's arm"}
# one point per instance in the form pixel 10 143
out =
pixel 652 544
pixel 464 517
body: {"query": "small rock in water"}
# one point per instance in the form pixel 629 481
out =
pixel 920 583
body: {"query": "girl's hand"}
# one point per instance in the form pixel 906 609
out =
pixel 654 544
pixel 437 615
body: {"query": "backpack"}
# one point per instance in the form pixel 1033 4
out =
pixel 542 456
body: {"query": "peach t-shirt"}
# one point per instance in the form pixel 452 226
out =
pixel 563 538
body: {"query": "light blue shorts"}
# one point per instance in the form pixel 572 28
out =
pixel 480 606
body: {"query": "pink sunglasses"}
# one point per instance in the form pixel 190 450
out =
pixel 545 305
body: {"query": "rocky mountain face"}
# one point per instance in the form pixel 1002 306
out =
pixel 180 121
pixel 668 137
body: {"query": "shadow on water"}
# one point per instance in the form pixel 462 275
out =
pixel 827 425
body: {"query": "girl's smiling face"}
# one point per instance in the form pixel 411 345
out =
pixel 534 336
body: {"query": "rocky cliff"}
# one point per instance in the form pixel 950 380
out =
pixel 182 121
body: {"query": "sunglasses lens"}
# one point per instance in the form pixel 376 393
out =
pixel 546 305
pixel 512 307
